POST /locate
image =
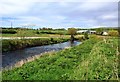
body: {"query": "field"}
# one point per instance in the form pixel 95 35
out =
pixel 60 40
pixel 32 33
pixel 94 59
pixel 36 33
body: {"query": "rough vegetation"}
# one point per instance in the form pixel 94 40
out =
pixel 8 31
pixel 8 45
pixel 113 33
pixel 95 58
pixel 72 32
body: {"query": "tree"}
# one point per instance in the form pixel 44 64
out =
pixel 37 32
pixel 113 33
pixel 72 32
pixel 86 35
pixel 99 30
pixel 21 33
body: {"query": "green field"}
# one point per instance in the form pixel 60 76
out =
pixel 34 33
pixel 38 33
pixel 94 59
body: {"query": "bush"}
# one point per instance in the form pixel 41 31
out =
pixel 37 32
pixel 86 35
pixel 9 31
pixel 113 33
pixel 47 32
pixel 81 38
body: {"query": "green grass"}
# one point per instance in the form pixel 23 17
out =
pixel 93 59
pixel 32 33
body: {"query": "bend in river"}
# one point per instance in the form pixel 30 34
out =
pixel 9 59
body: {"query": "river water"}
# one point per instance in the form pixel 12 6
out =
pixel 11 58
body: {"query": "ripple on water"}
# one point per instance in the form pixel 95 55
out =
pixel 16 57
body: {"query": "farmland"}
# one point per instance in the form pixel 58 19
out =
pixel 31 32
pixel 60 40
pixel 94 59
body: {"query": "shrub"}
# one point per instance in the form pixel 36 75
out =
pixel 9 31
pixel 47 32
pixel 51 39
pixel 113 33
pixel 81 38
pixel 37 32
pixel 86 35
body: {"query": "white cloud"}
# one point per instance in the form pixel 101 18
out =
pixel 30 18
pixel 60 17
pixel 87 6
pixel 85 13
pixel 102 0
pixel 108 17
pixel 77 0
pixel 19 6
pixel 97 26
pixel 14 6
pixel 24 20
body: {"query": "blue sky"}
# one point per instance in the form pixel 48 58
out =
pixel 57 14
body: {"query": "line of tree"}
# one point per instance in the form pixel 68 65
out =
pixel 60 29
pixel 6 31
pixel 16 28
pixel 45 28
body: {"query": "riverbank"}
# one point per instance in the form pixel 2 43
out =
pixel 15 44
pixel 94 59
pixel 19 57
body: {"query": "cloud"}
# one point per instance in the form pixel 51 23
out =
pixel 58 13
pixel 109 17
pixel 14 6
pixel 87 6
pixel 29 18
pixel 101 1
pixel 17 6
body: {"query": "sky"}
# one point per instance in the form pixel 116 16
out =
pixel 59 14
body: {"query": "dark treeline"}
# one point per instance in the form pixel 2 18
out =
pixel 8 31
pixel 44 28
pixel 16 28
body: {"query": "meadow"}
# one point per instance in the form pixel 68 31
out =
pixel 32 33
pixel 94 59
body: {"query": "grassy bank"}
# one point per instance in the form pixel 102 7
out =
pixel 95 58
pixel 9 45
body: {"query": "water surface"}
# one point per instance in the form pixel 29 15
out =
pixel 10 58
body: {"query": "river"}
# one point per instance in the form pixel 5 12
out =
pixel 14 58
